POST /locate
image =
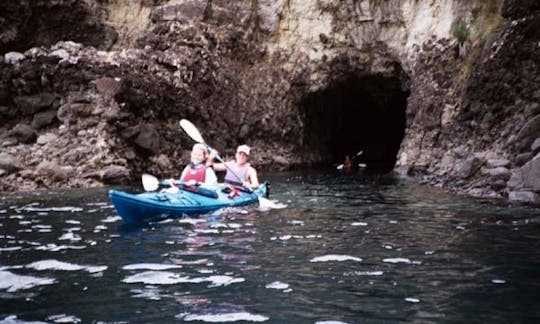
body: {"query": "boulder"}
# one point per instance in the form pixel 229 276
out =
pixel 29 105
pixel 7 162
pixel 115 174
pixel 524 197
pixel 492 163
pixel 43 119
pixel 24 133
pixel 468 167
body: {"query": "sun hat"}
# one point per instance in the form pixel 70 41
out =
pixel 244 149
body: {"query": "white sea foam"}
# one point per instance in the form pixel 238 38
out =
pixel 330 322
pixel 151 266
pixel 13 282
pixel 335 257
pixel 65 266
pixel 221 318
pixel 397 260
pixel 51 209
pixel 111 219
pixel 63 318
pixel 412 300
pixel 359 224
pixel 297 222
pixel 277 285
pixel 192 221
pixel 70 236
pixel 498 281
pixel 170 278
pixel 365 273
pixel 73 222
pixel 54 248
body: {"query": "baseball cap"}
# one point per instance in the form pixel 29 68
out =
pixel 243 148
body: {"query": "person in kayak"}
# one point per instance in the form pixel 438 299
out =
pixel 198 170
pixel 239 171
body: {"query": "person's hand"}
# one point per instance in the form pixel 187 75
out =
pixel 212 154
pixel 246 184
pixel 171 182
pixel 191 183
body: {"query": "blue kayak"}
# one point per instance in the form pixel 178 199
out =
pixel 152 206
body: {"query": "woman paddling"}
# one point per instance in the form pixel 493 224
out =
pixel 239 171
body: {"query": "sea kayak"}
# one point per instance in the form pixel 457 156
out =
pixel 152 206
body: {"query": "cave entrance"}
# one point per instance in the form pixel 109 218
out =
pixel 358 114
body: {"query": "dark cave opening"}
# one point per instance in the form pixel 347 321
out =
pixel 364 113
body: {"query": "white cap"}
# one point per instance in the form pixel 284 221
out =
pixel 243 148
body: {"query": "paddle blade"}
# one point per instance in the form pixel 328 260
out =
pixel 149 182
pixel 191 130
pixel 266 204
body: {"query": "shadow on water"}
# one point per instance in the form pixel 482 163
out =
pixel 353 249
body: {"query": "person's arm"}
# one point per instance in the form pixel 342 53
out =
pixel 253 180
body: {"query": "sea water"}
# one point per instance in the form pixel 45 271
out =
pixel 346 249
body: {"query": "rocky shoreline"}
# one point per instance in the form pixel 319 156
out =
pixel 96 100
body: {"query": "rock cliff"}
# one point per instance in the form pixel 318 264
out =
pixel 91 91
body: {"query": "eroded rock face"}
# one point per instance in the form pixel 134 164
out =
pixel 303 82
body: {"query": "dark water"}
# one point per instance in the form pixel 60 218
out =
pixel 345 250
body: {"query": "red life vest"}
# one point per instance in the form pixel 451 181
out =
pixel 197 174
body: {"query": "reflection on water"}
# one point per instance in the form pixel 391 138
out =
pixel 347 249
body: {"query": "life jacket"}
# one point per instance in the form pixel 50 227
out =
pixel 195 172
pixel 236 174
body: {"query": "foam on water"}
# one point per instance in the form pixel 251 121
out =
pixel 151 266
pixel 171 278
pixel 359 224
pixel 192 221
pixel 221 318
pixel 412 300
pixel 330 322
pixel 13 282
pixel 54 248
pixel 70 209
pixel 335 257
pixel 70 236
pixel 397 260
pixel 277 285
pixel 111 219
pixel 63 318
pixel 59 265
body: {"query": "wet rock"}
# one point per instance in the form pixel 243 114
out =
pixel 162 161
pixel 524 197
pixel 51 169
pixel 148 138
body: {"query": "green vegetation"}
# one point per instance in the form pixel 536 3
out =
pixel 461 32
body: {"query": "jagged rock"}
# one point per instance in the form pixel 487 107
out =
pixel 108 87
pixel 468 167
pixel 523 158
pixel 529 133
pixel 527 177
pixel 148 138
